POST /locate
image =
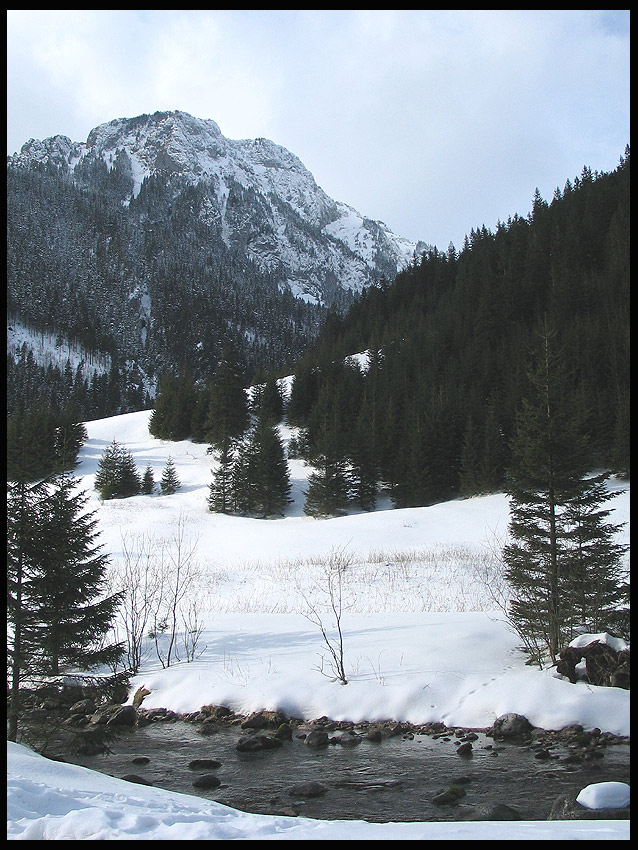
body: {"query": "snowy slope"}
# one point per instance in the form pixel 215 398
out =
pixel 424 641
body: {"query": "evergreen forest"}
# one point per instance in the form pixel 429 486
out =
pixel 449 344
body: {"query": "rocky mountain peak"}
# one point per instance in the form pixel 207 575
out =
pixel 258 195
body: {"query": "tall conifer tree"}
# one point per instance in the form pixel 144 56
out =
pixel 74 612
pixel 170 482
pixel 556 532
pixel 328 485
pixel 58 610
pixel 221 496
pixel 270 476
pixel 228 408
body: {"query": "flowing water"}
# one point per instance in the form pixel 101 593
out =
pixel 392 780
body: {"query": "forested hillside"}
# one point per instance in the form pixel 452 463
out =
pixel 450 342
pixel 84 265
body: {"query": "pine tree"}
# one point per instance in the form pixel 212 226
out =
pixel 174 407
pixel 243 475
pixel 597 594
pixel 24 535
pixel 58 610
pixel 228 408
pixel 73 610
pixel 199 416
pixel 162 423
pixel 328 488
pixel 365 468
pixel 271 404
pixel 269 470
pixel 328 485
pixel 148 481
pixel 117 476
pixel 170 483
pixel 70 434
pixel 553 514
pixel 303 394
pixel 108 470
pixel 130 483
pixel 221 494
pixel 31 450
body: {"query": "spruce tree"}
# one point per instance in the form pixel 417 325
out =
pixel 547 561
pixel 269 469
pixel 596 581
pixel 221 494
pixel 364 471
pixel 170 482
pixel 57 608
pixel 328 485
pixel 228 407
pixel 243 475
pixel 31 444
pixel 174 407
pixel 70 434
pixel 163 421
pixel 130 483
pixel 117 476
pixel 303 394
pixel 199 416
pixel 107 475
pixel 148 481
pixel 328 488
pixel 74 612
pixel 271 404
pixel 24 535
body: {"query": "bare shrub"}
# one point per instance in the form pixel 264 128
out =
pixel 178 572
pixel 158 581
pixel 323 605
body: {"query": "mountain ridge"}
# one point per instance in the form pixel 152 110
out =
pixel 301 235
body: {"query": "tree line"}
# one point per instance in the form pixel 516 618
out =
pixel 432 415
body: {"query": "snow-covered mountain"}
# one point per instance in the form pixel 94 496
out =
pixel 258 197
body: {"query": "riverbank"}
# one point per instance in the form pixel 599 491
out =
pixel 270 763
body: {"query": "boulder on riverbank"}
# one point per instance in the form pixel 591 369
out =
pixel 495 811
pixel 511 727
pixel 605 664
pixel 317 738
pixel 566 807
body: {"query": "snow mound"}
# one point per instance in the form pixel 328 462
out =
pixel 605 795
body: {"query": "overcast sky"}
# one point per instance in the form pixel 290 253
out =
pixel 432 121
